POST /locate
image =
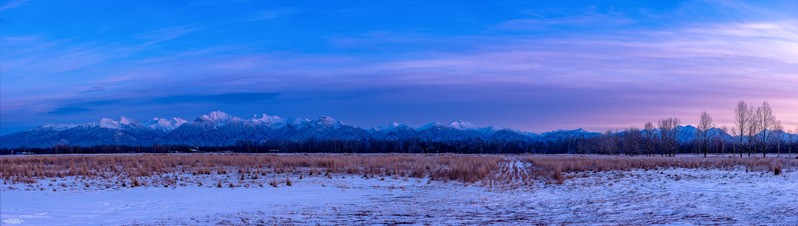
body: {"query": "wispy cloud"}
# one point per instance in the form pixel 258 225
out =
pixel 37 56
pixel 84 105
pixel 68 110
pixel 92 90
pixel 728 61
pixel 268 15
pixel 589 17
pixel 585 20
pixel 33 57
pixel 246 97
pixel 12 4
pixel 167 34
pixel 602 72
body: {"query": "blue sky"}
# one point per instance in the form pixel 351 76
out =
pixel 531 65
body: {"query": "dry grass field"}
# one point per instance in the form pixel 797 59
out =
pixel 555 165
pixel 465 168
pixel 128 170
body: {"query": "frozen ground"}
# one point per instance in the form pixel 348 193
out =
pixel 673 196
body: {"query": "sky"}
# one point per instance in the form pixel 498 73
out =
pixel 529 65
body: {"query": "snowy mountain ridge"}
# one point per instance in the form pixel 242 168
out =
pixel 219 129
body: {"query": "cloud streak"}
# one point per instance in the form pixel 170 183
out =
pixel 166 34
pixel 12 4
pixel 81 106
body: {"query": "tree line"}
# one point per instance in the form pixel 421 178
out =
pixel 755 130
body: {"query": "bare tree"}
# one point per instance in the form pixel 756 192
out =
pixel 753 127
pixel 793 138
pixel 765 121
pixel 778 136
pixel 649 138
pixel 704 124
pixel 741 120
pixel 609 144
pixel 632 139
pixel 725 130
pixel 667 130
pixel 738 147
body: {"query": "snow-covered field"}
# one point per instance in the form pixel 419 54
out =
pixel 670 196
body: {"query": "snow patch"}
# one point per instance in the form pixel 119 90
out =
pixel 637 197
pixel 462 125
pixel 218 117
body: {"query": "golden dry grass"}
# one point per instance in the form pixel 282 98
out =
pixel 465 168
pixel 554 164
pixel 494 170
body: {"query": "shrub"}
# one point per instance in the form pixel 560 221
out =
pixel 557 175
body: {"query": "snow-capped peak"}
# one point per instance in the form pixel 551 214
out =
pixel 179 121
pixel 327 121
pixel 121 124
pixel 492 128
pixel 59 127
pixel 109 123
pixel 429 125
pixel 124 120
pixel 462 125
pixel 165 125
pixel 267 119
pixel 390 127
pixel 215 117
pixel 573 131
pixel 294 121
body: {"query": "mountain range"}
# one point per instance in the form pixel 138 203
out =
pixel 220 129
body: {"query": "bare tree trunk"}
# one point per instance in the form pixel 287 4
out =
pixel 741 119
